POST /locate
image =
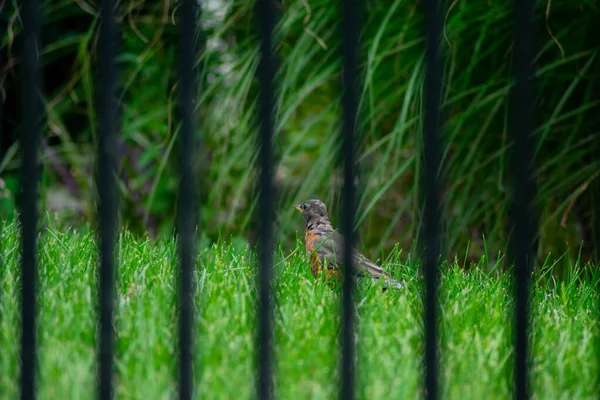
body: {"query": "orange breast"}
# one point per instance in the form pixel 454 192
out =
pixel 311 242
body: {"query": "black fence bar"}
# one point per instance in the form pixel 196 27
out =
pixel 2 83
pixel 350 47
pixel 266 72
pixel 523 193
pixel 107 206
pixel 186 207
pixel 31 109
pixel 431 218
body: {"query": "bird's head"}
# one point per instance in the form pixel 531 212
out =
pixel 313 210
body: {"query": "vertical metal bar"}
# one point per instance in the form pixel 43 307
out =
pixel 522 212
pixel 596 216
pixel 31 109
pixel 350 47
pixel 2 29
pixel 186 208
pixel 107 207
pixel 266 72
pixel 432 126
pixel 595 225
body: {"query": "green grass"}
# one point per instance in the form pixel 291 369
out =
pixel 475 328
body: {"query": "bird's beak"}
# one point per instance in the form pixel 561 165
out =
pixel 297 207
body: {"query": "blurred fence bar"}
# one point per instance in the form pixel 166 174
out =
pixel 107 207
pixel 432 127
pixel 2 82
pixel 350 48
pixel 31 109
pixel 524 190
pixel 187 205
pixel 266 209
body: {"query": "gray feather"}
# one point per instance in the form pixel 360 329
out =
pixel 331 252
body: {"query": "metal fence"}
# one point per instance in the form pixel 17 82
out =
pixel 32 112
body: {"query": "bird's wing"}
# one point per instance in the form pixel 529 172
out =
pixel 331 251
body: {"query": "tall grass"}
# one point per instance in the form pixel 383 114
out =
pixel 477 81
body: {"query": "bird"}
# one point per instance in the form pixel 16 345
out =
pixel 324 246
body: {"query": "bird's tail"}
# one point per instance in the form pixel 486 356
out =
pixel 392 283
pixel 375 271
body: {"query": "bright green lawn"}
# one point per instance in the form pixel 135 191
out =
pixel 476 333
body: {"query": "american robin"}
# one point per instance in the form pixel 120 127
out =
pixel 324 245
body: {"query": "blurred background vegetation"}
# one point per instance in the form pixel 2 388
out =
pixel 478 42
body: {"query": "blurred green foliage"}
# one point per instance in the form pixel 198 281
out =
pixel 477 43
